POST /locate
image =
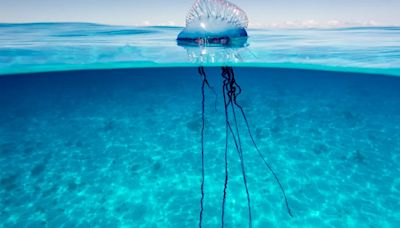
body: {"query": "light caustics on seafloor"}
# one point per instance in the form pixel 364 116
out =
pixel 217 29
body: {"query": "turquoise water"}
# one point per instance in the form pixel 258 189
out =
pixel 100 127
pixel 112 148
pixel 42 47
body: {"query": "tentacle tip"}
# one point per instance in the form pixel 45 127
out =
pixel 290 213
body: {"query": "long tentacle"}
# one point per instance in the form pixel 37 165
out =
pixel 256 147
pixel 231 94
pixel 201 71
pixel 225 82
pixel 243 167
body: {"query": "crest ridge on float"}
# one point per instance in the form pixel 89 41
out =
pixel 214 23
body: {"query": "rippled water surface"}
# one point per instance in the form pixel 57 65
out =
pixel 63 46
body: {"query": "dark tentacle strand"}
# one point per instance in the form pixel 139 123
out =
pixel 254 143
pixel 225 82
pixel 230 91
pixel 201 72
pixel 265 161
pixel 243 167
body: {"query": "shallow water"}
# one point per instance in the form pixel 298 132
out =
pixel 122 148
pixel 41 47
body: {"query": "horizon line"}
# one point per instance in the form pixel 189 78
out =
pixel 311 24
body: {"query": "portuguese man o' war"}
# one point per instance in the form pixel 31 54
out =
pixel 214 22
pixel 221 24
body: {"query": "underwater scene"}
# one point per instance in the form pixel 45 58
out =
pixel 113 148
pixel 213 124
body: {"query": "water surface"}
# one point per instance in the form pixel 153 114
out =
pixel 40 47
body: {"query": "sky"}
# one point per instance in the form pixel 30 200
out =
pixel 261 13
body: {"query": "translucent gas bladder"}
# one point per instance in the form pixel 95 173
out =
pixel 214 23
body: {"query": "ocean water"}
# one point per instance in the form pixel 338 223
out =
pixel 39 47
pixel 112 148
pixel 100 126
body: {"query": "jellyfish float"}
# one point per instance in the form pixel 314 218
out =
pixel 212 27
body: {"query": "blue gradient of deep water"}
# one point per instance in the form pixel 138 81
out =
pixel 114 148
